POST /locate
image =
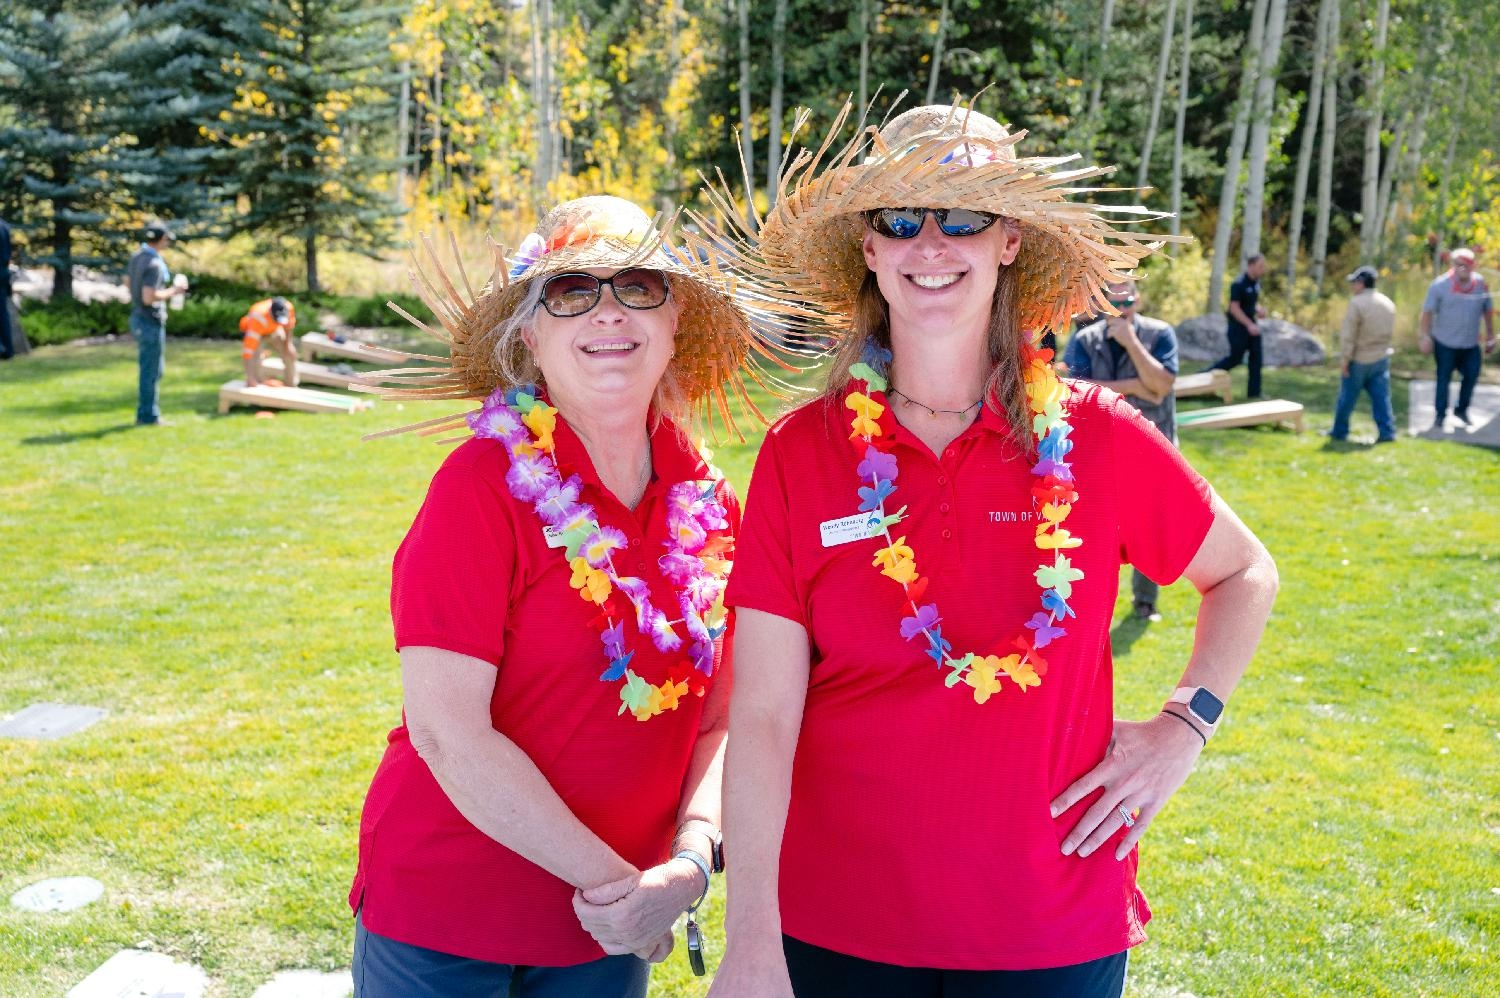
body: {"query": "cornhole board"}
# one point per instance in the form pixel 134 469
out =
pixel 317 374
pixel 300 399
pixel 1275 411
pixel 313 345
pixel 1208 383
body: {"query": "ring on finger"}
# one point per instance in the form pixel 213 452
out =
pixel 1125 815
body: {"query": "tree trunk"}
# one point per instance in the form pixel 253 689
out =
pixel 1309 139
pixel 1325 162
pixel 1097 89
pixel 1164 56
pixel 778 73
pixel 1400 215
pixel 1392 167
pixel 439 159
pixel 937 53
pixel 62 249
pixel 541 100
pixel 1260 128
pixel 864 55
pixel 403 131
pixel 1184 75
pixel 1230 189
pixel 310 256
pixel 1442 198
pixel 747 141
pixel 1374 96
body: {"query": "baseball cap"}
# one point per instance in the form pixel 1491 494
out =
pixel 280 309
pixel 1365 273
pixel 1464 253
pixel 155 230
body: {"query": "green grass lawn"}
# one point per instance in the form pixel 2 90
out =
pixel 220 587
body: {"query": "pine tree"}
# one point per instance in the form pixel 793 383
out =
pixel 60 76
pixel 309 124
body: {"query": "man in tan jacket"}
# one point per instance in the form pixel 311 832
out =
pixel 1365 357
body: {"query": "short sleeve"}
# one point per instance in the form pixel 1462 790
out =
pixel 451 578
pixel 1077 358
pixel 1165 350
pixel 762 577
pixel 156 274
pixel 1165 507
pixel 1430 303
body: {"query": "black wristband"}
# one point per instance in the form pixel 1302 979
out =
pixel 1191 726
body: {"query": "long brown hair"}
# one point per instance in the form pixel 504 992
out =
pixel 1004 389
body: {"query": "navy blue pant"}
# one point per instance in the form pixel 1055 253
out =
pixel 384 968
pixel 151 336
pixel 1241 345
pixel 823 973
pixel 1464 360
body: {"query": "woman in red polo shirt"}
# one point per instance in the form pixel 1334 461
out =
pixel 924 742
pixel 548 805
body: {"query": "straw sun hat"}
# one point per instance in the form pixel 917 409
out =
pixel 942 157
pixel 719 342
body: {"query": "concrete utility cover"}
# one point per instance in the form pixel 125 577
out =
pixel 58 894
pixel 50 720
pixel 133 973
pixel 1484 414
pixel 307 984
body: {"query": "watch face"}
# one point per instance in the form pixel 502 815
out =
pixel 1206 706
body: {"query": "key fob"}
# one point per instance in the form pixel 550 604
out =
pixel 695 949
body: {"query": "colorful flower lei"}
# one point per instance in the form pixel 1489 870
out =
pixel 1052 497
pixel 696 537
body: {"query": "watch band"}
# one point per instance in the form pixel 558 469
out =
pixel 702 865
pixel 711 832
pixel 1205 708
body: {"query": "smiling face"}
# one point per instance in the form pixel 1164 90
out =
pixel 610 355
pixel 940 285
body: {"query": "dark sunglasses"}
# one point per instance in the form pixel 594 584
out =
pixel 571 294
pixel 905 223
pixel 1125 302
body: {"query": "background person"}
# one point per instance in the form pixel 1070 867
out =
pixel 1241 325
pixel 151 285
pixel 1365 357
pixel 1456 303
pixel 1136 356
pixel 272 318
pixel 549 803
pixel 926 791
pixel 7 342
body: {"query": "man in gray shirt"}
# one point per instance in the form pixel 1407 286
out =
pixel 150 287
pixel 1456 303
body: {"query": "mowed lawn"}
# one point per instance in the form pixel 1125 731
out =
pixel 220 585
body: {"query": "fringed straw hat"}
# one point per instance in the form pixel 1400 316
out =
pixel 722 319
pixel 940 157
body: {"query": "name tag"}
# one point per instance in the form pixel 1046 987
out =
pixel 554 537
pixel 847 529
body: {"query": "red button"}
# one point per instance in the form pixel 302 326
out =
pixel 947 534
pixel 635 542
pixel 948 452
pixel 943 508
pixel 942 480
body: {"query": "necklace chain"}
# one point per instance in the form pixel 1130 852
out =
pixel 934 412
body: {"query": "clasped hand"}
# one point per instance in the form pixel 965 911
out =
pixel 635 915
pixel 1145 764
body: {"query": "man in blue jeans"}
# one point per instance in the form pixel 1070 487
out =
pixel 1456 303
pixel 1365 357
pixel 150 287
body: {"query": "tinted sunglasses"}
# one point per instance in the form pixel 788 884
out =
pixel 1125 302
pixel 570 294
pixel 905 223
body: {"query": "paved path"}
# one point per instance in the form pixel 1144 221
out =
pixel 1484 413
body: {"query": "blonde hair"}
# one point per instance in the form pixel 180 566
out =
pixel 1004 388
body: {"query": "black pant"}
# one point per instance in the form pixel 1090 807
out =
pixel 1466 361
pixel 823 973
pixel 1241 343
pixel 7 343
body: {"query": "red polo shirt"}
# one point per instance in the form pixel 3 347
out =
pixel 475 576
pixel 919 830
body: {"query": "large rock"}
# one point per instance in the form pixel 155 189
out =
pixel 1205 337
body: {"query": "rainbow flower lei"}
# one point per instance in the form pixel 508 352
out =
pixel 696 529
pixel 1052 497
